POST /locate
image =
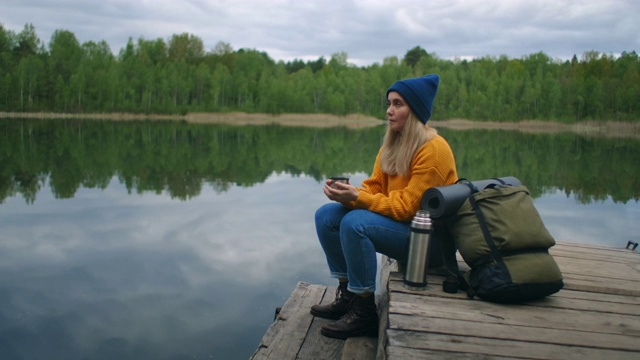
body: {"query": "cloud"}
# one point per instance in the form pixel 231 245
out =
pixel 367 30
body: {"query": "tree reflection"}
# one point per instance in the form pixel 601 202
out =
pixel 180 158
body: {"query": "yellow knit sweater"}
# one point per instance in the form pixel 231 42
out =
pixel 398 197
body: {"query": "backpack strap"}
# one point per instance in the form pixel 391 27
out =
pixel 492 185
pixel 467 182
pixel 495 253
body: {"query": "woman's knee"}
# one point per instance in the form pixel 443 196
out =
pixel 330 215
pixel 323 211
pixel 354 221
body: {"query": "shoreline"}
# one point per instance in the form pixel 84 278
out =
pixel 355 121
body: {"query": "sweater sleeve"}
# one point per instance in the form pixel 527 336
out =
pixel 399 197
pixel 374 184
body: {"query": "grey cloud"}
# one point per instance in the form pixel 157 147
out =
pixel 367 30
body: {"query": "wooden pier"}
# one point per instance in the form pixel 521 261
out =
pixel 595 316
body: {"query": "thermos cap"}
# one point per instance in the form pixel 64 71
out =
pixel 422 220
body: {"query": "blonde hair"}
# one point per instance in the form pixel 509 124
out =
pixel 398 147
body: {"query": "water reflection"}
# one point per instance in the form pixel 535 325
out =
pixel 604 222
pixel 167 241
pixel 109 275
pixel 175 157
pixel 180 159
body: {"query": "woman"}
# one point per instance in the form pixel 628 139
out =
pixel 376 217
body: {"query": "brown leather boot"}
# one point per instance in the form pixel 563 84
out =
pixel 361 320
pixel 338 308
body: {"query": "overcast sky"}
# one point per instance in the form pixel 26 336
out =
pixel 367 30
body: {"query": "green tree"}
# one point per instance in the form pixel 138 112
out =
pixel 186 47
pixel 413 56
pixel 30 75
pixel 179 76
pixel 27 42
pixel 65 54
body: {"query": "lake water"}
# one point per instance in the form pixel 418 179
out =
pixel 164 240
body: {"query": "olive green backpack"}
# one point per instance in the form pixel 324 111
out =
pixel 500 235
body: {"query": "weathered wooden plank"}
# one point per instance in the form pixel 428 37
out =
pixel 609 256
pixel 602 305
pixel 498 347
pixel 603 285
pixel 515 332
pixel 599 297
pixel 285 336
pixel 360 348
pixel 387 268
pixel 396 352
pixel 576 246
pixel 599 269
pixel 567 299
pixel 317 346
pixel 513 314
pixel 624 291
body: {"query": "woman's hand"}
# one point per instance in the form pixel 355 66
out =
pixel 340 192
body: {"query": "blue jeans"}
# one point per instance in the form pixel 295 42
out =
pixel 351 238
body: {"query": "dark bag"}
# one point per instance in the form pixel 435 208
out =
pixel 500 235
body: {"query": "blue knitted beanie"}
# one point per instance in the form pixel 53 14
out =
pixel 418 93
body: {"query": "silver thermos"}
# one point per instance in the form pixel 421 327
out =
pixel 415 277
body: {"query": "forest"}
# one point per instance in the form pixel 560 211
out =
pixel 178 76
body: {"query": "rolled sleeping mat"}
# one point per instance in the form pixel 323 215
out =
pixel 441 201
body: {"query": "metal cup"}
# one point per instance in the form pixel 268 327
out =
pixel 336 179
